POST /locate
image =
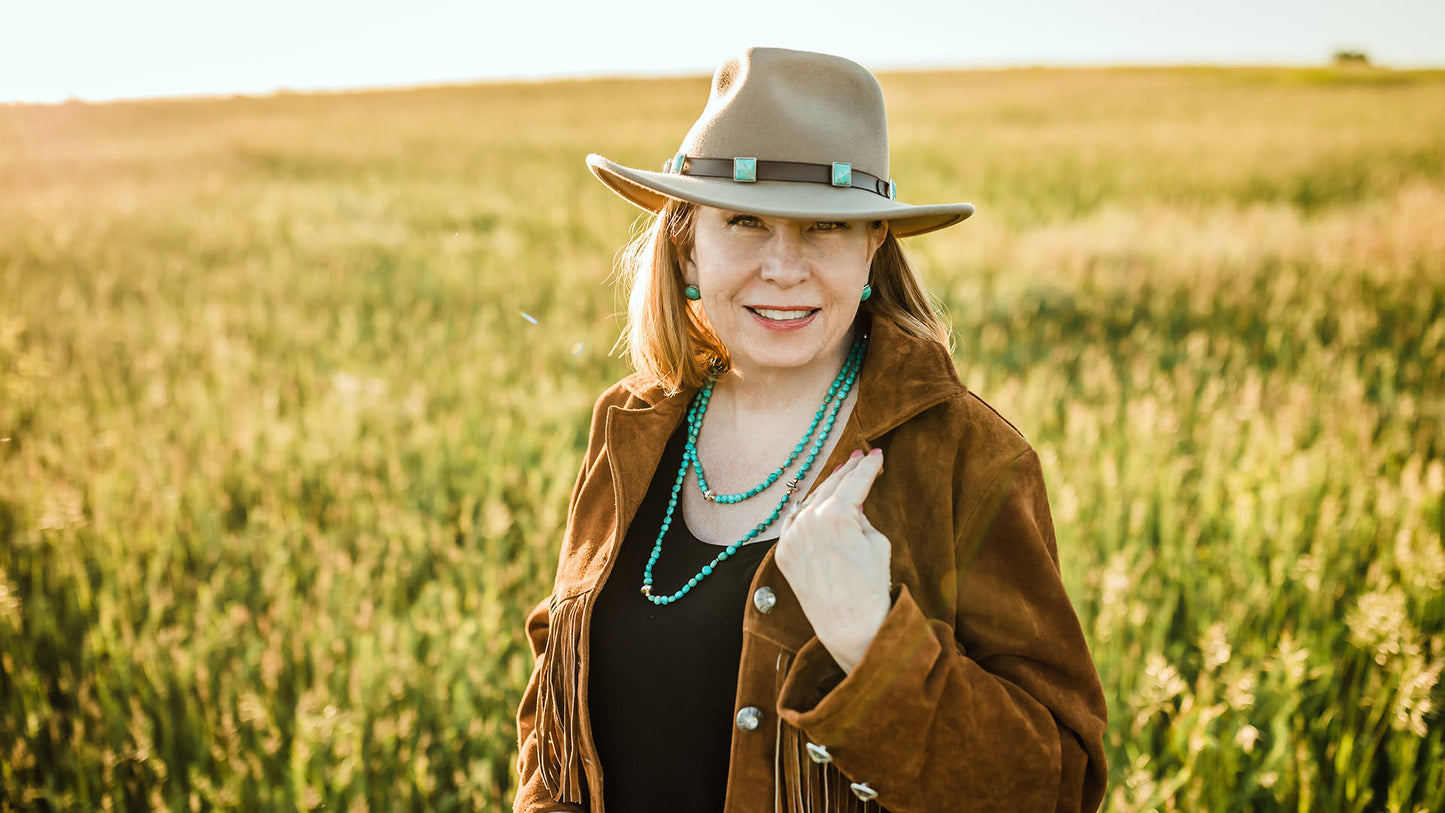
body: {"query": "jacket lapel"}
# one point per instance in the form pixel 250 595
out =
pixel 642 429
pixel 901 377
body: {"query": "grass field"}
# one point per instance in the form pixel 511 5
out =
pixel 284 462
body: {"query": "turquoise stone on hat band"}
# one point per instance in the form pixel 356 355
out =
pixel 842 174
pixel 677 162
pixel 745 170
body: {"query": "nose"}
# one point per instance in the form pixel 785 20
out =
pixel 784 261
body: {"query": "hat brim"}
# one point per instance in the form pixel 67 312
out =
pixel 790 199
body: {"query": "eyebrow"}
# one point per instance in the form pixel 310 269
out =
pixel 728 214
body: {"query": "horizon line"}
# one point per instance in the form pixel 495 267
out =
pixel 671 75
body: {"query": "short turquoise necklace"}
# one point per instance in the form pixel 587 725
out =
pixel 821 427
pixel 694 424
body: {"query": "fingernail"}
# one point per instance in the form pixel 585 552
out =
pixel 837 467
pixel 857 453
pixel 876 450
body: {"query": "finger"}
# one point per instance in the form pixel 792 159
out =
pixel 786 521
pixel 853 488
pixel 826 488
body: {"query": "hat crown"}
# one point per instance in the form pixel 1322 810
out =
pixel 781 105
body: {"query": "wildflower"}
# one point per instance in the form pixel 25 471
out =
pixel 10 603
pixel 1291 659
pixel 1421 559
pixel 1138 613
pixel 1246 737
pixel 1161 685
pixel 1239 693
pixel 1114 586
pixel 1197 741
pixel 1379 623
pixel 1307 571
pixel 1116 581
pixel 1412 702
pixel 1214 646
pixel 1167 684
pixel 1139 778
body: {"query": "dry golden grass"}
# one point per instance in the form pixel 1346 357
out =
pixel 282 464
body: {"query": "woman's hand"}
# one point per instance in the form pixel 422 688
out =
pixel 837 562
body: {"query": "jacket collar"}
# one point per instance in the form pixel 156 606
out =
pixel 901 377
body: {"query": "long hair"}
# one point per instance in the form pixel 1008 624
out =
pixel 668 338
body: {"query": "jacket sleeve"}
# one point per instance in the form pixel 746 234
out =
pixel 1000 710
pixel 531 796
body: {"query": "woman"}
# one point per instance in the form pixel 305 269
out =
pixel 905 640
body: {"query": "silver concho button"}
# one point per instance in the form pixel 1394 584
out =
pixel 765 599
pixel 818 753
pixel 749 718
pixel 862 791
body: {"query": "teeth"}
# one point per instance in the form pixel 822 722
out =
pixel 781 315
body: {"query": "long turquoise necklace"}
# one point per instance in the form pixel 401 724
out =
pixel 821 427
pixel 854 354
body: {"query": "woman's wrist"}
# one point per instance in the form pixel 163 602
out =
pixel 848 649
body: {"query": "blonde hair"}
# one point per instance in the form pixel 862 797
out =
pixel 668 339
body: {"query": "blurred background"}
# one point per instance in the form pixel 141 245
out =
pixel 305 307
pixel 99 51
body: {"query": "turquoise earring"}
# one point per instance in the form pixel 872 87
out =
pixel 867 292
pixel 691 292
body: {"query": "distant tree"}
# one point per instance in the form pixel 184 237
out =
pixel 1351 59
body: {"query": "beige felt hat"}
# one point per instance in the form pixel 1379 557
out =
pixel 790 134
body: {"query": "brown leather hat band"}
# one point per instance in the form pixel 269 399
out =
pixel 747 170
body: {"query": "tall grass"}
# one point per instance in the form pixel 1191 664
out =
pixel 284 459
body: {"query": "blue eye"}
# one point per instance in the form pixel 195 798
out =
pixel 743 220
pixel 831 225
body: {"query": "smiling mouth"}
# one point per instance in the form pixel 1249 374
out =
pixel 783 314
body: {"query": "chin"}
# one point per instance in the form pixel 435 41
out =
pixel 798 354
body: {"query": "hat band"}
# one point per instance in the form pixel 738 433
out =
pixel 748 170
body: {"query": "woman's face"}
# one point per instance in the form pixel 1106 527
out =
pixel 781 294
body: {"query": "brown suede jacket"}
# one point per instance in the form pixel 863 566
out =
pixel 977 694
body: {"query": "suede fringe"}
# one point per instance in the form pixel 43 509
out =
pixel 804 786
pixel 560 762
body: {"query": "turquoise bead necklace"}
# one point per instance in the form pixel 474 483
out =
pixel 854 354
pixel 821 427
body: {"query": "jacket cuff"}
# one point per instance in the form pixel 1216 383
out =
pixel 819 699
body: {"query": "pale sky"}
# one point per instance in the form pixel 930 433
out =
pixel 50 51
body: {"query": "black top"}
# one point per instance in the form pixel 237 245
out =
pixel 663 679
